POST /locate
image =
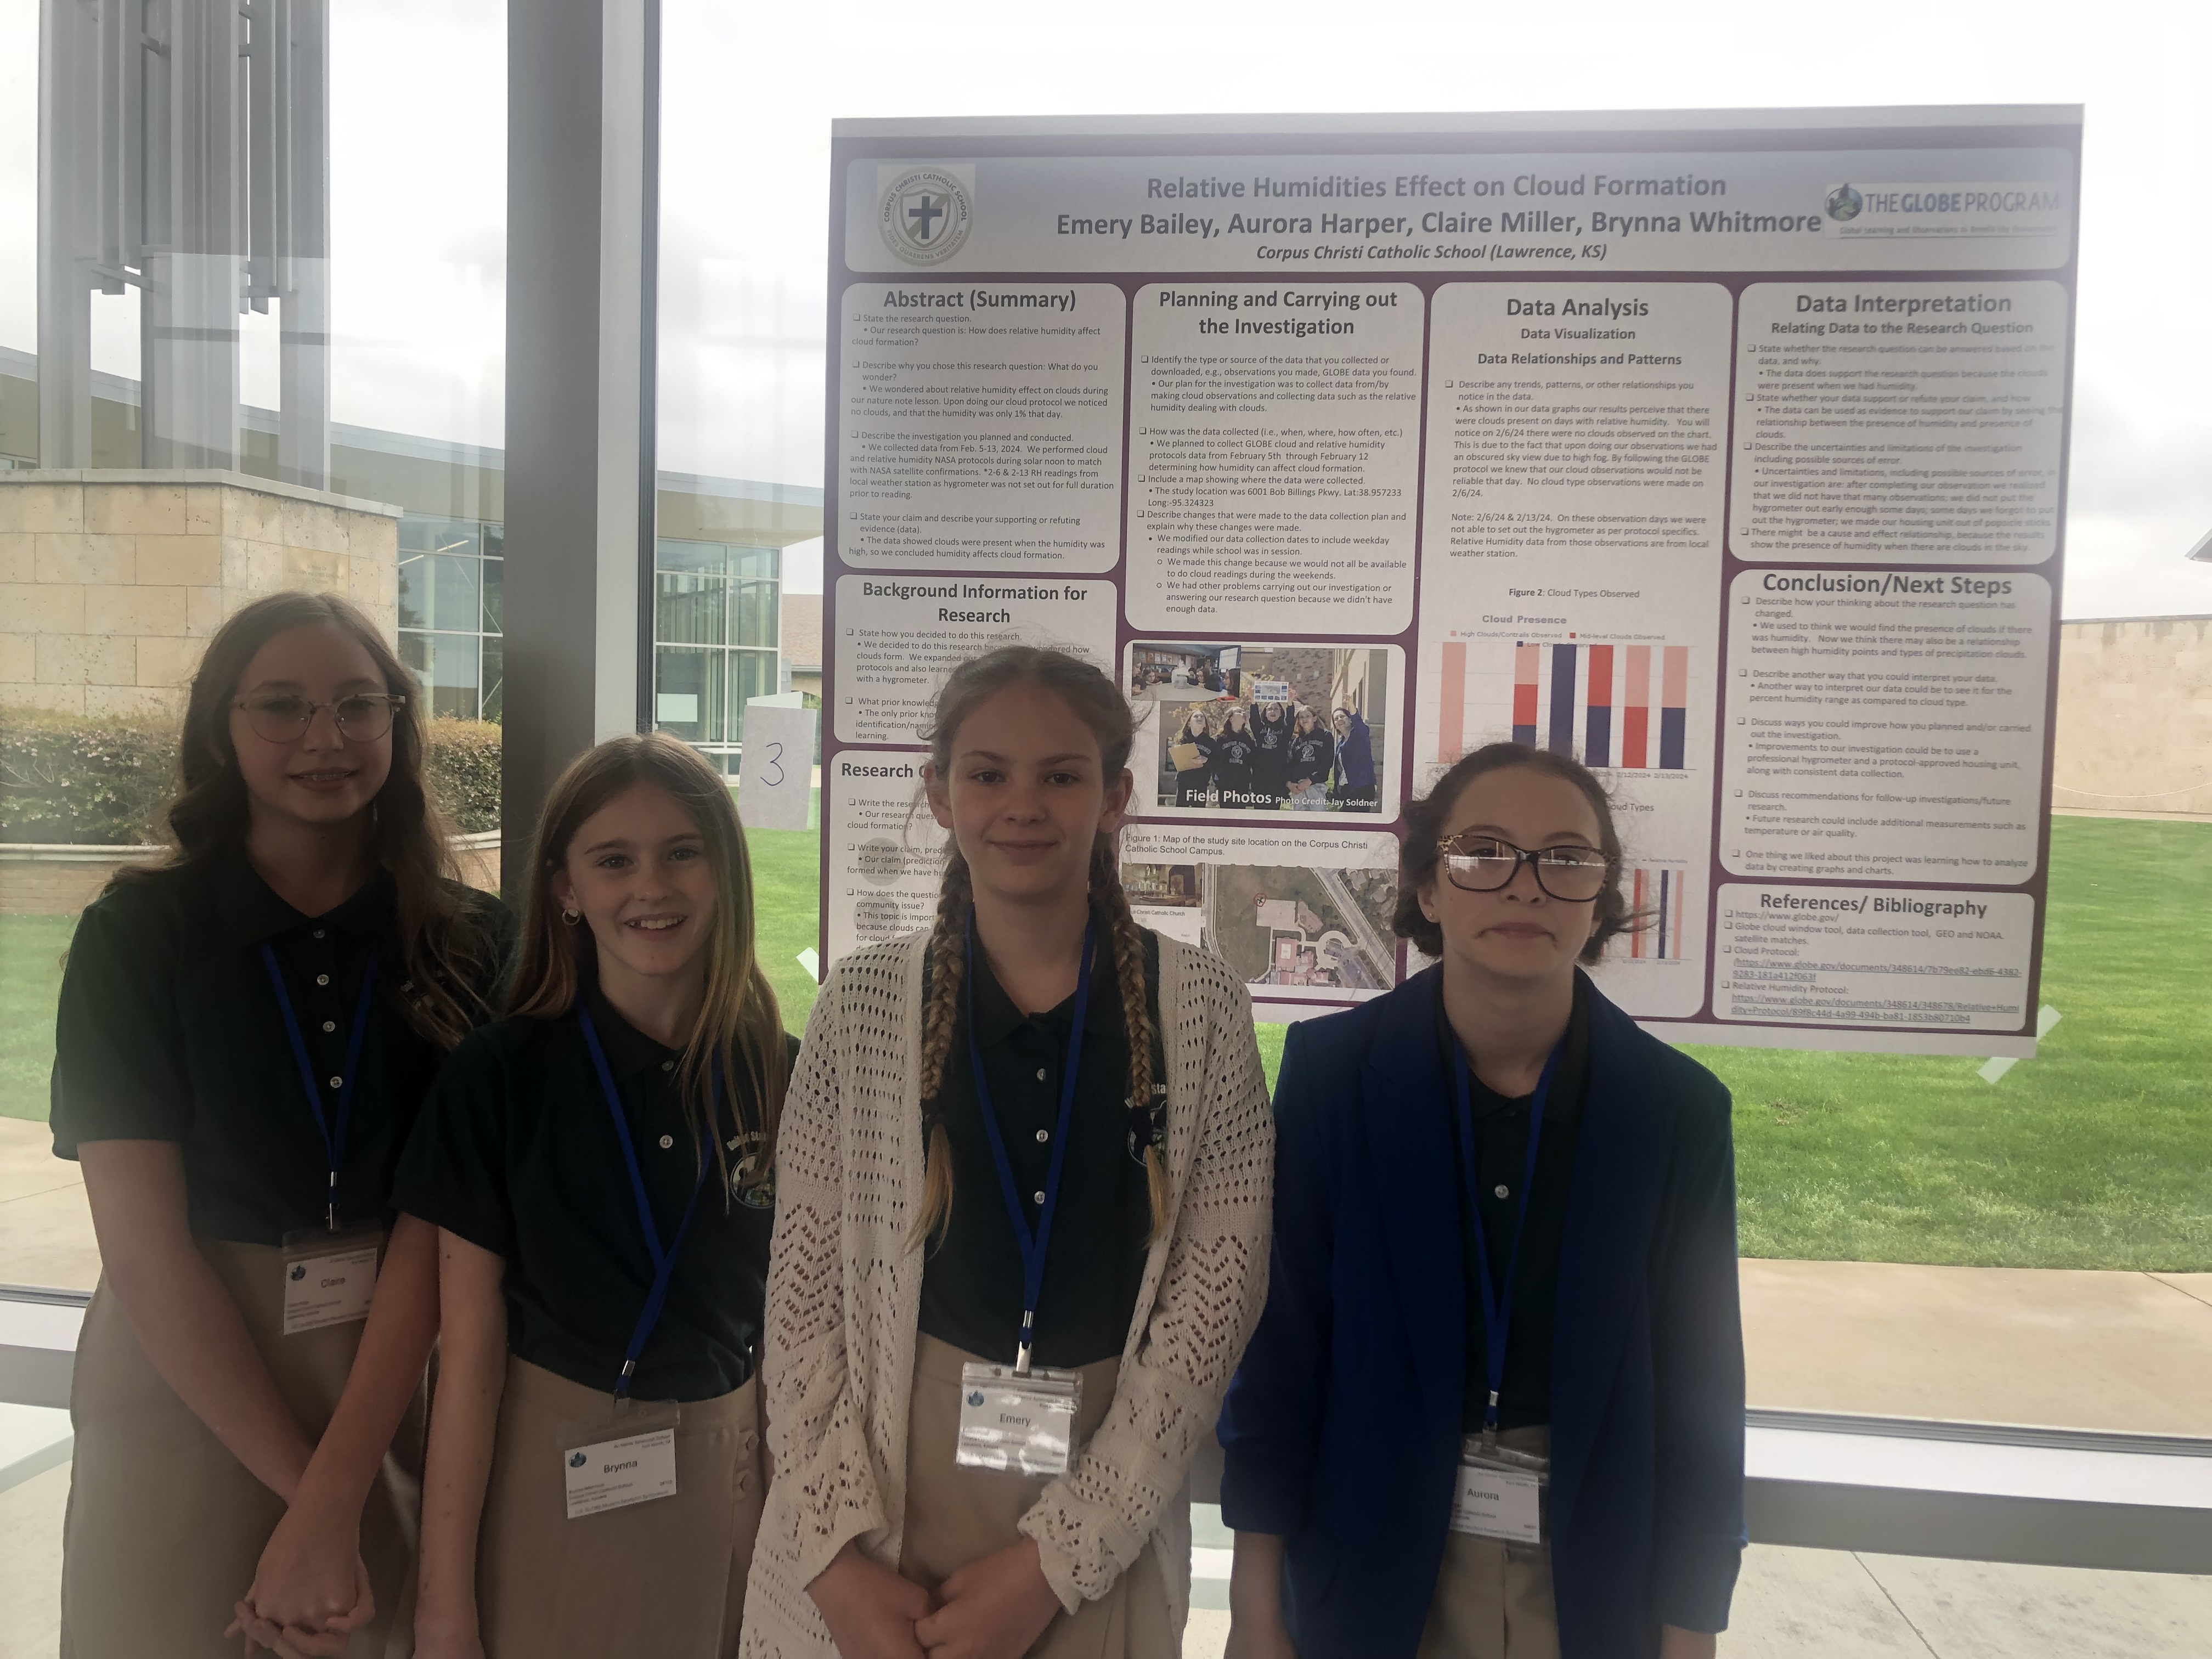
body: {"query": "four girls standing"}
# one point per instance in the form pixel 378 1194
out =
pixel 1020 1198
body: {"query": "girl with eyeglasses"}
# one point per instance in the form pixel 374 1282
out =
pixel 1494 1409
pixel 1021 1227
pixel 244 1037
pixel 599 1169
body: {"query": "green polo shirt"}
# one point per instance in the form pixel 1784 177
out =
pixel 516 1153
pixel 168 1028
pixel 971 1283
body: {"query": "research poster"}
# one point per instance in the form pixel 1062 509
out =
pixel 1724 452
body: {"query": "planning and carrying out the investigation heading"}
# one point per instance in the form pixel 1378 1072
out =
pixel 1723 452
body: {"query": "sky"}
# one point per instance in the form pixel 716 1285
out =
pixel 749 93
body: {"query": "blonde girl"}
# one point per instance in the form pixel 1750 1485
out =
pixel 1024 1171
pixel 244 1038
pixel 598 1165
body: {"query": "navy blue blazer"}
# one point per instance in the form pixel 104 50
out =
pixel 1341 1430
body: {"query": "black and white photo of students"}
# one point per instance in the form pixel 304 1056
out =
pixel 1023 1174
pixel 1194 782
pixel 1309 757
pixel 1236 752
pixel 598 1165
pixel 1271 730
pixel 243 1040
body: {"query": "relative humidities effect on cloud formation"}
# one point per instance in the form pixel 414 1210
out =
pixel 1728 461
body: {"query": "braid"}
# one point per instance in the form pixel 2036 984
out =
pixel 1136 1011
pixel 940 1022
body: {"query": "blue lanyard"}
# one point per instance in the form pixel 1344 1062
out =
pixel 663 1261
pixel 1497 1310
pixel 1032 1245
pixel 334 1139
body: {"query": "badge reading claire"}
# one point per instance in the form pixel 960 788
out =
pixel 329 1277
pixel 925 212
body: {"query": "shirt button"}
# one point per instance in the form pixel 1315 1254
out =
pixel 1039 1074
pixel 667 1065
pixel 319 932
pixel 1043 1135
pixel 322 979
pixel 1501 1191
pixel 330 1025
pixel 667 1141
pixel 337 1083
pixel 1037 1197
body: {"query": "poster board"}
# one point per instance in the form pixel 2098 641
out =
pixel 1723 450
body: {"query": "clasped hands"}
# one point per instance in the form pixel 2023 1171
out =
pixel 994 1608
pixel 310 1591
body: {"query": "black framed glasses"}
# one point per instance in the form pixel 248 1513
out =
pixel 284 717
pixel 1479 863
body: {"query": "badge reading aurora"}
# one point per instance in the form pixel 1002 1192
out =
pixel 925 216
pixel 1844 202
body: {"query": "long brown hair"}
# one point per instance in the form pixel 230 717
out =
pixel 1426 818
pixel 1092 699
pixel 446 947
pixel 739 1029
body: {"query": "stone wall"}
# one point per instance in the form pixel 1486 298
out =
pixel 2135 715
pixel 111 582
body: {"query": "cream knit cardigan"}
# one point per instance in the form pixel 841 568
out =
pixel 844 1296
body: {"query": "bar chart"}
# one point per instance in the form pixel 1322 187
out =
pixel 1595 701
pixel 1658 899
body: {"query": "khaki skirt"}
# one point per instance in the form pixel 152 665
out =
pixel 1493 1600
pixel 955 1515
pixel 665 1578
pixel 166 1528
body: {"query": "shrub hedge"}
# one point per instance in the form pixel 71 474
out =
pixel 107 781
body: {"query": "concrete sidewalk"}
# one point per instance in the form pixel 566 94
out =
pixel 1990 1344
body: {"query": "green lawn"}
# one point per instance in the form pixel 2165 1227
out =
pixel 2097 1153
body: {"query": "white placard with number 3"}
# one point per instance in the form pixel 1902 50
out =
pixel 776 781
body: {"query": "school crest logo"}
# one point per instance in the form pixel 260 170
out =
pixel 925 213
pixel 576 1460
pixel 975 1396
pixel 299 1271
pixel 1844 204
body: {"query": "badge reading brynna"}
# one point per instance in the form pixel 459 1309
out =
pixel 925 215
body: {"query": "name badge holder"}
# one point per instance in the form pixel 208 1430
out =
pixel 627 1454
pixel 1020 1420
pixel 1499 1493
pixel 329 1271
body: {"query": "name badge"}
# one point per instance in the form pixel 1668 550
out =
pixel 1500 1494
pixel 329 1279
pixel 1018 1425
pixel 611 1462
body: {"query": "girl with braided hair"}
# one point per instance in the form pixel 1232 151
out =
pixel 1024 1173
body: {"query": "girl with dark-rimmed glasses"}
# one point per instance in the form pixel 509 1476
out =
pixel 1494 1409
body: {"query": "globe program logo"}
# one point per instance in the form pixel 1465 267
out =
pixel 1844 204
pixel 925 216
pixel 576 1460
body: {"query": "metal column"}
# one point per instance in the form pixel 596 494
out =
pixel 581 108
pixel 183 150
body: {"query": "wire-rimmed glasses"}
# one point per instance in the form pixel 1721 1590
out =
pixel 285 716
pixel 1477 862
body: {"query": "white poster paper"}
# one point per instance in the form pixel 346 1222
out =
pixel 1722 452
